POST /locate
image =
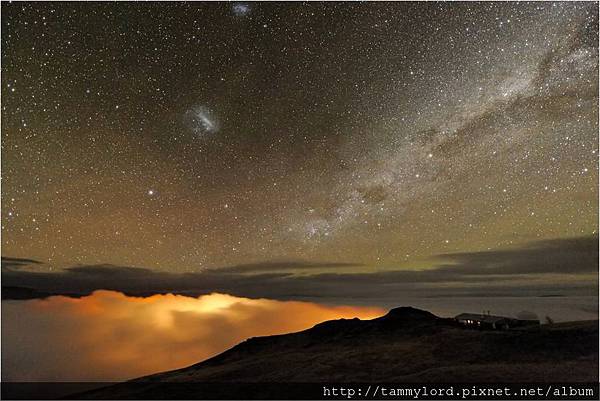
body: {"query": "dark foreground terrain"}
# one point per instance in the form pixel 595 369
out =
pixel 405 346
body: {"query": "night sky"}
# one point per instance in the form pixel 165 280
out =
pixel 363 136
pixel 178 177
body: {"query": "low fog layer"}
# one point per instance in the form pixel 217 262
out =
pixel 108 336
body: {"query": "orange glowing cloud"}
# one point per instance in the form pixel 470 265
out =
pixel 108 336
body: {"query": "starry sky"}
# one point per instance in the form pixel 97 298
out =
pixel 188 137
pixel 182 176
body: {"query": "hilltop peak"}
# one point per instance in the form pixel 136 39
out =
pixel 410 314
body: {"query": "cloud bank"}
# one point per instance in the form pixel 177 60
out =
pixel 108 336
pixel 564 266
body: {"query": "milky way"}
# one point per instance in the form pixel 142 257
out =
pixel 183 137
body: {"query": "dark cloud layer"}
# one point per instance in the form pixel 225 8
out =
pixel 569 255
pixel 8 262
pixel 530 270
pixel 283 266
